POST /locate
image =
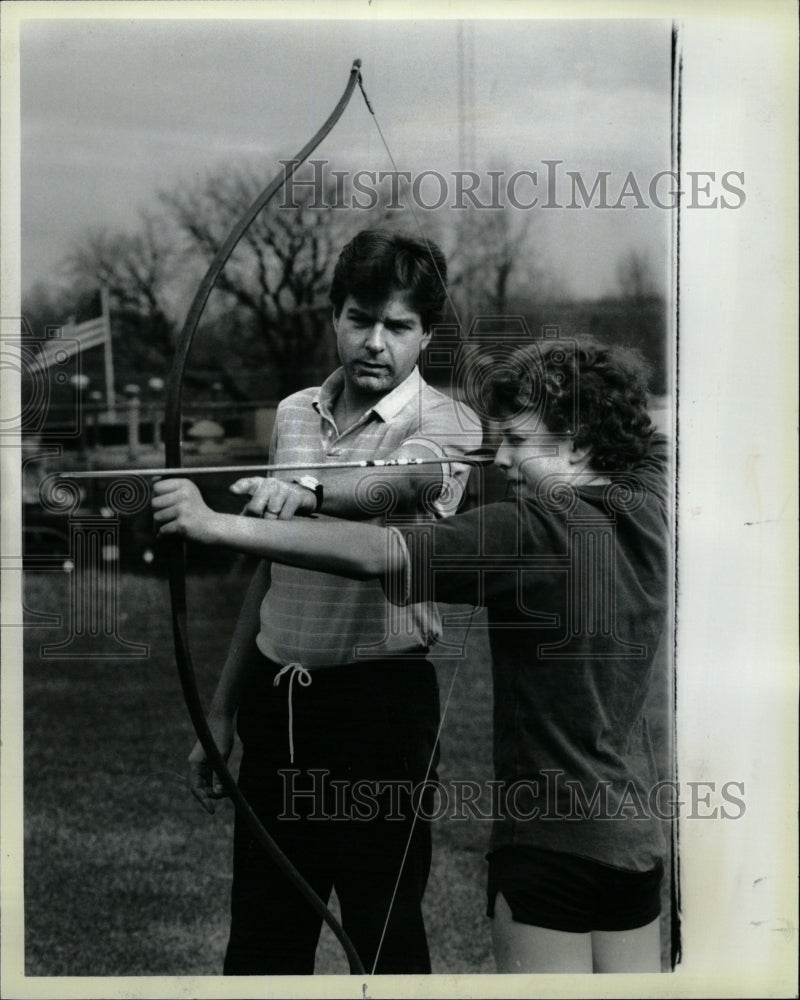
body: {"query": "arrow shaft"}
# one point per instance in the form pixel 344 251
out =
pixel 371 463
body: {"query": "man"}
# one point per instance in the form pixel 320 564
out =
pixel 328 682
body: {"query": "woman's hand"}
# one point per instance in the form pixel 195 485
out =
pixel 179 511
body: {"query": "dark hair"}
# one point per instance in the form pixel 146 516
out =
pixel 579 386
pixel 376 263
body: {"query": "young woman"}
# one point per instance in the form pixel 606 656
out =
pixel 573 570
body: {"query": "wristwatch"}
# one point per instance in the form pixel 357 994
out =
pixel 310 483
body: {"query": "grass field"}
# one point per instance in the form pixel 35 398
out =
pixel 124 873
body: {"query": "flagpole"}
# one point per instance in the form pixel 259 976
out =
pixel 108 355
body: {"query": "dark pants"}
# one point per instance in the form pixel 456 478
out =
pixel 364 735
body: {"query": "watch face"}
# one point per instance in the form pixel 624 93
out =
pixel 310 483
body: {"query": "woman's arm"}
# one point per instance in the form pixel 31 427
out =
pixel 358 551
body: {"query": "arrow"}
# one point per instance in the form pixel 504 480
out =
pixel 370 463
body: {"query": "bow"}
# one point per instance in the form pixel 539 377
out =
pixel 176 557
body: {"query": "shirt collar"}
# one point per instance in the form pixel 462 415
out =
pixel 386 408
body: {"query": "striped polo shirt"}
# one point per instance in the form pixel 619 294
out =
pixel 321 620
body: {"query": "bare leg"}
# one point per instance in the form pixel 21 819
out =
pixel 638 950
pixel 524 948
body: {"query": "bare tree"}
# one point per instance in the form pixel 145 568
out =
pixel 47 305
pixel 635 276
pixel 276 282
pixel 138 270
pixel 494 264
pixel 642 321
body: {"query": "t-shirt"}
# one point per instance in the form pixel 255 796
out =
pixel 322 620
pixel 575 581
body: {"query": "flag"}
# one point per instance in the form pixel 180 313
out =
pixel 81 337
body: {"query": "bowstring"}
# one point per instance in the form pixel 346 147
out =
pixel 417 808
pixel 414 215
pixel 443 713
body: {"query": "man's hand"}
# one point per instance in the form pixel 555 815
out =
pixel 202 781
pixel 275 498
pixel 180 511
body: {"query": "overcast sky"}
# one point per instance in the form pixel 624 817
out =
pixel 113 111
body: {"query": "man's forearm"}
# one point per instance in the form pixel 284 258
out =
pixel 227 694
pixel 358 494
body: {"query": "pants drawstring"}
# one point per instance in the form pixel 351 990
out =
pixel 304 678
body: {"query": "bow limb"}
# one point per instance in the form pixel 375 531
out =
pixel 176 559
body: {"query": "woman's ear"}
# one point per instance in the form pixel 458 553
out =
pixel 580 454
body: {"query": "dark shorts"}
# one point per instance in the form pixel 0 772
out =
pixel 565 892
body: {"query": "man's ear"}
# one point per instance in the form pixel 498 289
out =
pixel 426 339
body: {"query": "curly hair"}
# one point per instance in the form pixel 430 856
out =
pixel 596 392
pixel 376 263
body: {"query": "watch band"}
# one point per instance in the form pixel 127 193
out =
pixel 310 483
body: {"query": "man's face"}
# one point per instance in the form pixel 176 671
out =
pixel 378 342
pixel 529 453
